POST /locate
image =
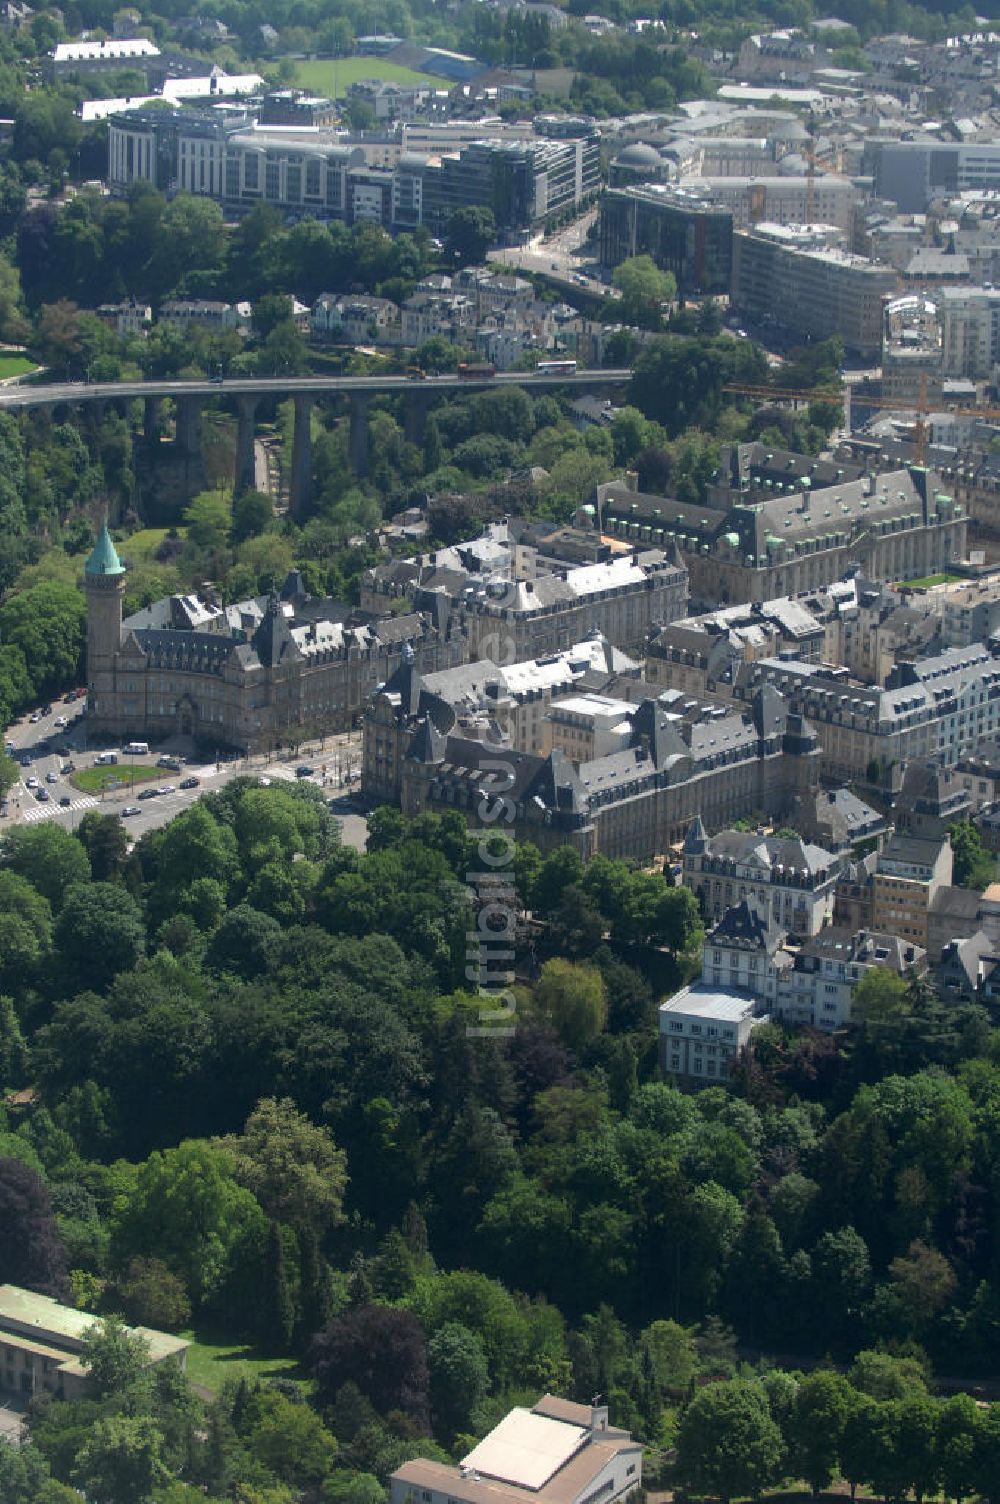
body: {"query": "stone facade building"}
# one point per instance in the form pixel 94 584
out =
pixel 248 676
pixel 633 803
pixel 790 881
pixel 745 544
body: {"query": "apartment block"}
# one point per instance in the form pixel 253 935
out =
pixel 789 881
pixel 786 277
pixel 938 708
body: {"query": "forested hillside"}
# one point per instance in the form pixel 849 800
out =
pixel 243 1097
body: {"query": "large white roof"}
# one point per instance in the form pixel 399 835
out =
pixel 525 1449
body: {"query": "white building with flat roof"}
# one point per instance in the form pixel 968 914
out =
pixel 703 1028
pixel 558 1452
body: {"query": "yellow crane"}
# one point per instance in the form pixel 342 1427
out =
pixel 842 396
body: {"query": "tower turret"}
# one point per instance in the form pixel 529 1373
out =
pixel 104 582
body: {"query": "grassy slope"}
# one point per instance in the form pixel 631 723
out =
pixel 15 365
pixel 211 1361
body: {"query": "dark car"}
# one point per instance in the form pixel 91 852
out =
pixel 65 802
pixel 304 772
pixel 148 794
pixel 42 796
pixel 190 783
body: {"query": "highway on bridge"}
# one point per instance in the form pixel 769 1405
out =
pixel 74 392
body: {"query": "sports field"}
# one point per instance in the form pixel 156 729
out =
pixel 333 76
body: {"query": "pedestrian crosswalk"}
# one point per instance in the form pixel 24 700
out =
pixel 46 811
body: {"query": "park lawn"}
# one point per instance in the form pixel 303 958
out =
pixel 15 365
pixel 928 581
pixel 141 547
pixel 212 1360
pixel 117 776
pixel 332 77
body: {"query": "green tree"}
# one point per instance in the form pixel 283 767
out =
pixel 188 1209
pixel 823 1403
pixel 120 1462
pixel 644 289
pixel 209 519
pixel 459 1376
pixel 276 1307
pixel 291 1440
pixel 114 1357
pixel 727 1442
pixel 294 1168
pixel 152 1295
pixel 880 995
pixel 573 999
pixel 25 935
pixel 253 513
pixel 99 933
pixel 48 623
pixel 974 866
pixel 48 857
pixel 105 840
pixel 471 232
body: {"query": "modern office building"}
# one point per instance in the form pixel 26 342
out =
pixel 307 168
pixel 682 230
pixel 970 331
pixel 911 173
pixel 786 277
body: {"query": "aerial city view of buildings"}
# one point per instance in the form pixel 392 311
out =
pixel 649 493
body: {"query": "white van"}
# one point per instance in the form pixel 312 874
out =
pixel 137 749
pixel 104 759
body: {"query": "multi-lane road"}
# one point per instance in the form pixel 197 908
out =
pixel 54 394
pixel 38 740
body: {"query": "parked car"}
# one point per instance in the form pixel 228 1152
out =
pixel 60 720
pixel 148 794
pixel 167 761
pixel 166 788
pixel 190 783
pixel 35 717
pixel 304 771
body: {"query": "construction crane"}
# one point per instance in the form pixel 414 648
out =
pixel 842 396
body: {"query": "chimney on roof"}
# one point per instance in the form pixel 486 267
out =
pixel 598 1415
